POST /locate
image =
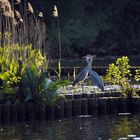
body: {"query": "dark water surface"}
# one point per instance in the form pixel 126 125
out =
pixel 94 128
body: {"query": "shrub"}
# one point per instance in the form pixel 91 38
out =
pixel 23 72
pixel 14 60
pixel 119 73
pixel 137 75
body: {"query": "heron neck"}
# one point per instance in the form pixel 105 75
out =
pixel 89 65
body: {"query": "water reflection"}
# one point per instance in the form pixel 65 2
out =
pixel 104 127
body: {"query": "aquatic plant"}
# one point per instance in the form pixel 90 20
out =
pixel 56 15
pixel 22 24
pixel 13 63
pixel 50 94
pixel 74 73
pixel 137 75
pixel 40 89
pixel 23 73
pixel 59 70
pixel 119 73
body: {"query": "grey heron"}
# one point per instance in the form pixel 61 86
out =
pixel 83 74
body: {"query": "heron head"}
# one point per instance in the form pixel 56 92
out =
pixel 89 59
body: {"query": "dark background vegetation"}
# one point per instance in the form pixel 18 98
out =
pixel 101 27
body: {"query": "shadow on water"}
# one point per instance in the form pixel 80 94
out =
pixel 103 127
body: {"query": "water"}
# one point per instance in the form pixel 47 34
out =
pixel 104 127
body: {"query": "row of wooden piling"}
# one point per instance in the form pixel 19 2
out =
pixel 69 108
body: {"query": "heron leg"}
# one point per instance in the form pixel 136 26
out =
pixel 94 89
pixel 82 85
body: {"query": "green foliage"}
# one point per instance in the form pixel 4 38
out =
pixel 22 72
pixel 14 60
pixel 119 73
pixel 40 89
pixel 74 73
pixel 96 24
pixel 59 70
pixel 50 94
pixel 29 84
pixel 123 65
pixel 137 75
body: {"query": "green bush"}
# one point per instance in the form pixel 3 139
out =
pixel 49 92
pixel 23 73
pixel 119 74
pixel 40 89
pixel 137 75
pixel 14 62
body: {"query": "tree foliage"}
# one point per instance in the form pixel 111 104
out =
pixel 98 27
pixel 119 74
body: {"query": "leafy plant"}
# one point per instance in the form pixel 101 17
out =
pixel 119 73
pixel 15 60
pixel 50 94
pixel 29 85
pixel 59 70
pixel 137 75
pixel 40 89
pixel 22 72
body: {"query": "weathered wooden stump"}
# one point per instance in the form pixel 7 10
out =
pixel 93 106
pixel 30 111
pixel 50 112
pixel 113 105
pixel 102 105
pixel 77 96
pixel 85 95
pixel 41 114
pixel 13 113
pixel 122 105
pixel 84 106
pixel 69 96
pixel 5 113
pixel 0 115
pixel 21 111
pixel 135 105
pixel 68 109
pixel 76 107
pixel 59 110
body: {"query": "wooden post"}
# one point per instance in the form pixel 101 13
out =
pixel 77 96
pixel 135 105
pixel 21 111
pixel 30 111
pixel 122 105
pixel 13 113
pixel 69 96
pixel 68 109
pixel 113 105
pixel 102 105
pixel 93 106
pixel 84 106
pixel 0 114
pixel 59 110
pixel 40 113
pixel 76 107
pixel 5 113
pixel 50 112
